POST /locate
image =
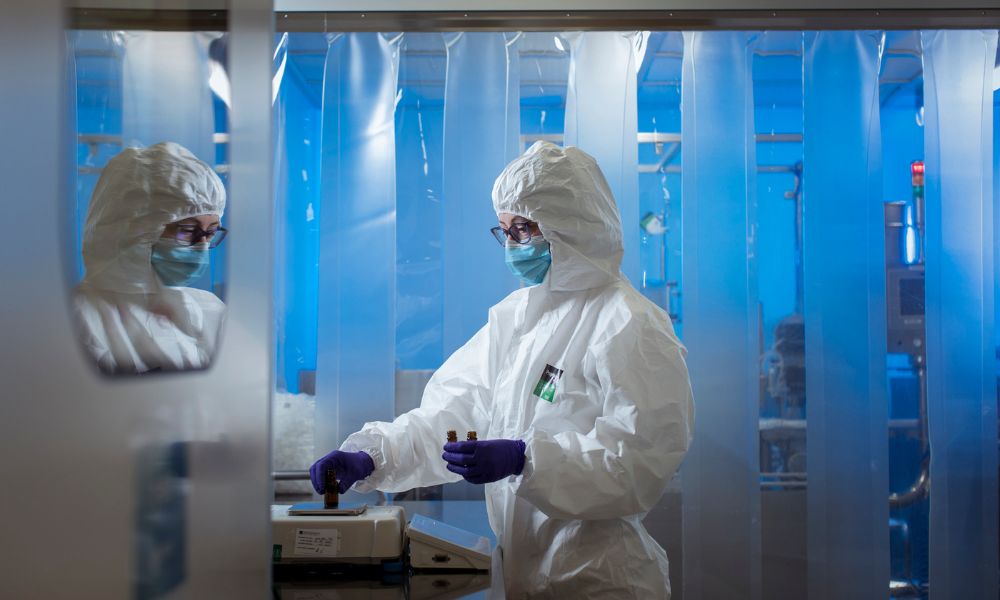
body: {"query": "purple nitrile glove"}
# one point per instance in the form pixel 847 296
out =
pixel 485 461
pixel 351 467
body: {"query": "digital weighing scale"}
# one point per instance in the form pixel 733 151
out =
pixel 360 534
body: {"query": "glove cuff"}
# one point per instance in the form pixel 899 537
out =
pixel 366 455
pixel 519 465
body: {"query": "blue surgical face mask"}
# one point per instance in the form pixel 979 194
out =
pixel 529 262
pixel 179 265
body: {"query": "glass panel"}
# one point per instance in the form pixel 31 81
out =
pixel 42 374
pixel 171 469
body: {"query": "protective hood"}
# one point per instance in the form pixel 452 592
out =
pixel 565 192
pixel 140 191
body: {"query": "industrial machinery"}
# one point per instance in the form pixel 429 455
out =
pixel 783 391
pixel 906 340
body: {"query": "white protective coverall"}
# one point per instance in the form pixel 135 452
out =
pixel 131 322
pixel 600 454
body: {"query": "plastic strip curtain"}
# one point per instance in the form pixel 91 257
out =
pixel 481 132
pixel 167 97
pixel 355 362
pixel 844 281
pixel 720 475
pixel 419 216
pixel 961 378
pixel 166 93
pixel 96 110
pixel 283 232
pixel 297 180
pixel 602 120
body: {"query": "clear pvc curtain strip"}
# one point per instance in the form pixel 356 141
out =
pixel 297 113
pixel 167 97
pixel 844 281
pixel 283 231
pixel 602 120
pixel 356 358
pixel 961 351
pixel 481 132
pixel 96 109
pixel 419 215
pixel 720 477
pixel 166 93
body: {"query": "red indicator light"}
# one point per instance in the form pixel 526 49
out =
pixel 917 167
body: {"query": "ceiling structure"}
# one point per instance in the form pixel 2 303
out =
pixel 544 67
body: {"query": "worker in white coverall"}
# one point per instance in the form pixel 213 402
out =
pixel 577 388
pixel 153 220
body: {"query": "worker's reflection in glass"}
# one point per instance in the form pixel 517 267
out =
pixel 152 222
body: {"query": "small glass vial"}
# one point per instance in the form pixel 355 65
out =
pixel 331 499
pixel 452 435
pixel 471 436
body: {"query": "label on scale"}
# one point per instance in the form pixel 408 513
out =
pixel 317 542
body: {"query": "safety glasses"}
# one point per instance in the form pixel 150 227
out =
pixel 189 235
pixel 520 232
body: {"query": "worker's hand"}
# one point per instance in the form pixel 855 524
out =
pixel 351 467
pixel 484 461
